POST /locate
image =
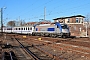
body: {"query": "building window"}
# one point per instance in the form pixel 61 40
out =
pixel 76 20
pixel 75 28
pixel 68 20
pixel 81 20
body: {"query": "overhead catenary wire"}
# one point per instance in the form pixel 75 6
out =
pixel 50 12
pixel 70 9
pixel 38 6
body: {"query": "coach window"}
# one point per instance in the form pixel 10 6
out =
pixel 77 20
pixel 19 28
pixel 16 28
pixel 26 28
pixel 30 28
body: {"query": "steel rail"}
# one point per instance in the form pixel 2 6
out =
pixel 12 55
pixel 32 54
pixel 9 56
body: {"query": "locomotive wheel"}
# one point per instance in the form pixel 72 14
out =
pixel 63 36
pixel 53 35
pixel 42 34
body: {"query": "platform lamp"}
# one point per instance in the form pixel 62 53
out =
pixel 86 29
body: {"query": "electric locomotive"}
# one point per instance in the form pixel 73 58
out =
pixel 52 30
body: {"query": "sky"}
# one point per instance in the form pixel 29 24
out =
pixel 33 10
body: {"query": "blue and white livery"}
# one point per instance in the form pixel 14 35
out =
pixel 52 30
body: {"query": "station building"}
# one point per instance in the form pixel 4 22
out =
pixel 76 24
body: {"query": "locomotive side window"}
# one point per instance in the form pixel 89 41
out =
pixel 64 26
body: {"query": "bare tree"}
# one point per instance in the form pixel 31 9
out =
pixel 11 23
pixel 87 18
pixel 22 22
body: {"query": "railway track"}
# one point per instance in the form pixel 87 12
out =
pixel 74 45
pixel 68 45
pixel 12 44
pixel 9 56
pixel 54 48
pixel 35 57
pixel 37 54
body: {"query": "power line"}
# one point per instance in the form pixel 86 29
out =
pixel 39 6
pixel 53 12
pixel 70 9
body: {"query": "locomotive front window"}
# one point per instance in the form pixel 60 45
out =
pixel 64 26
pixel 57 26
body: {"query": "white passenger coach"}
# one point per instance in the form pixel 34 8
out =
pixel 19 29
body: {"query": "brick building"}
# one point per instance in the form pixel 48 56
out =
pixel 78 19
pixel 75 23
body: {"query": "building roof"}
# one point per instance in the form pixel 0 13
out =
pixel 78 16
pixel 69 17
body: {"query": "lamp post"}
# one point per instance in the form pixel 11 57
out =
pixel 86 29
pixel 1 20
pixel 1 15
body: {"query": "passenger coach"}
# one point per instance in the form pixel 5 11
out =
pixel 19 29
